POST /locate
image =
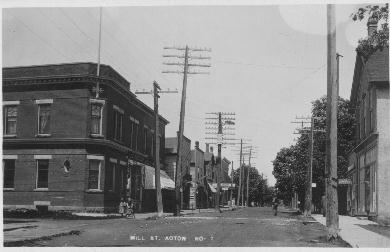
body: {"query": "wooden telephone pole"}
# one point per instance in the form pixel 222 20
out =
pixel 156 90
pixel 247 177
pixel 185 72
pixel 309 171
pixel 332 218
pixel 222 120
pixel 239 186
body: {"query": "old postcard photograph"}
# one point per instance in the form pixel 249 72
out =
pixel 229 124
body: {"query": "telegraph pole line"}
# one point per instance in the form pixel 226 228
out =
pixel 309 171
pixel 185 72
pixel 220 162
pixel 332 218
pixel 247 178
pixel 240 191
pixel 156 90
pixel 221 120
pixel 239 188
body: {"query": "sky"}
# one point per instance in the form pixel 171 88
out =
pixel 268 62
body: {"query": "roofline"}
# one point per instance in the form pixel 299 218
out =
pixel 81 75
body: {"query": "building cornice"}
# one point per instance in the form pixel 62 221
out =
pixel 7 143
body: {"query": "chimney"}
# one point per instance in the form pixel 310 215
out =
pixel 372 25
pixel 197 144
pixel 207 148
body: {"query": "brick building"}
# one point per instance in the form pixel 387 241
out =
pixel 209 168
pixel 65 149
pixel 197 189
pixel 170 165
pixel 369 160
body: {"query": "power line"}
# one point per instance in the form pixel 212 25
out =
pixel 38 36
pixel 264 66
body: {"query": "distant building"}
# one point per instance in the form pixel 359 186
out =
pixel 170 164
pixel 209 168
pixel 197 191
pixel 369 160
pixel 65 149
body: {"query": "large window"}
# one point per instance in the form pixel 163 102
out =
pixel 132 132
pixel 44 111
pixel 94 174
pixel 10 119
pixel 152 144
pixel 96 118
pixel 42 173
pixel 8 173
pixel 118 121
pixel 145 139
pixel 371 119
pixel 110 177
pixel 136 133
pixel 363 118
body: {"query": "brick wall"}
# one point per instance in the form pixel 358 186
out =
pixel 69 112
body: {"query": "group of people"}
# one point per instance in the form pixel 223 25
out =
pixel 126 208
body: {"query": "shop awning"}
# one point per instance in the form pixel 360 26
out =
pixel 165 180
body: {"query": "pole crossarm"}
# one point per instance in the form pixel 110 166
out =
pixel 183 59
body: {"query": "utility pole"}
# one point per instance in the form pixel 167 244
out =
pixel 338 73
pixel 247 178
pixel 185 72
pixel 231 185
pixel 332 218
pixel 239 188
pixel 156 90
pixel 309 170
pixel 240 196
pixel 219 170
pixel 224 119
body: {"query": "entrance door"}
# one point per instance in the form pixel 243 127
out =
pixel 136 186
pixel 367 194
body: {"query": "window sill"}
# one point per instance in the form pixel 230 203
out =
pixel 9 136
pixel 8 189
pixel 94 191
pixel 41 189
pixel 43 135
pixel 97 135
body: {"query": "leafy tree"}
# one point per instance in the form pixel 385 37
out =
pixel 258 186
pixel 291 163
pixel 380 38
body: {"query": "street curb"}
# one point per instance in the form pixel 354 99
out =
pixel 22 243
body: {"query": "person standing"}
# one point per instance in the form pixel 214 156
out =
pixel 275 203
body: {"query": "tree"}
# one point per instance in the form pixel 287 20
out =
pixel 380 38
pixel 258 186
pixel 290 164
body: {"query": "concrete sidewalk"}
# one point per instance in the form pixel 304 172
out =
pixel 351 231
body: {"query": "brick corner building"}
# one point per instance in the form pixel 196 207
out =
pixel 65 149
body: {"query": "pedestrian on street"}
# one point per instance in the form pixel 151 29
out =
pixel 122 207
pixel 275 203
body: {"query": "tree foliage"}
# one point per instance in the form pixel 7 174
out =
pixel 259 191
pixel 290 164
pixel 380 38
